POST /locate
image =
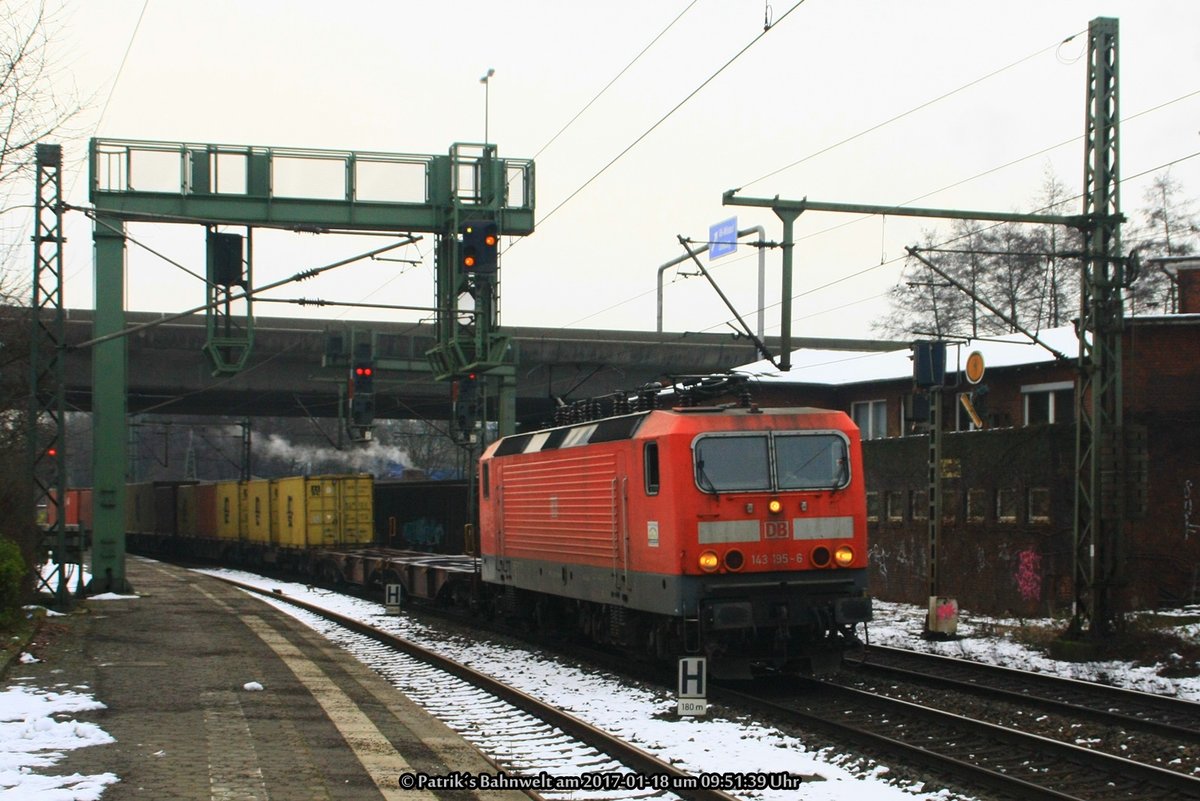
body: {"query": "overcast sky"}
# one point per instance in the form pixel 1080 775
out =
pixel 405 77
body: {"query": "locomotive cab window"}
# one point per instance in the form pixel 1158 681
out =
pixel 650 467
pixel 733 463
pixel 811 461
pixel 771 462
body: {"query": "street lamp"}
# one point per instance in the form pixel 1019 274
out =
pixel 486 92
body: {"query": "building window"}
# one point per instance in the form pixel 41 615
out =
pixel 950 503
pixel 872 507
pixel 1006 505
pixel 870 417
pixel 976 505
pixel 1049 403
pixel 919 504
pixel 895 506
pixel 1038 505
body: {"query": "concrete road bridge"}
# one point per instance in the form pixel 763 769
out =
pixel 169 373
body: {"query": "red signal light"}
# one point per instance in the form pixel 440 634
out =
pixel 52 452
pixel 478 249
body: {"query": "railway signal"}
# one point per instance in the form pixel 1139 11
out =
pixel 480 246
pixel 363 376
pixel 466 406
pixel 362 399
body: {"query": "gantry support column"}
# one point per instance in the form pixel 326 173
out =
pixel 1100 498
pixel 108 410
pixel 47 369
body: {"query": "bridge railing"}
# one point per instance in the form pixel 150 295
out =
pixel 128 176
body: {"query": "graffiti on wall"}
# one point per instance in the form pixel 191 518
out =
pixel 1189 526
pixel 1029 575
pixel 425 533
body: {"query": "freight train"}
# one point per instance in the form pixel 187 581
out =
pixel 733 532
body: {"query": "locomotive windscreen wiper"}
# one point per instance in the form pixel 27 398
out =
pixel 704 477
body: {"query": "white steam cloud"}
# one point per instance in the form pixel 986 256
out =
pixel 370 458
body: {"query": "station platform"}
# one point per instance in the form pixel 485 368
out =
pixel 172 667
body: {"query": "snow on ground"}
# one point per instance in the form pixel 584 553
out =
pixel 647 717
pixel 37 728
pixel 900 625
pixel 643 716
pixel 36 731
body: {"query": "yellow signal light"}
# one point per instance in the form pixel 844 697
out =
pixel 469 261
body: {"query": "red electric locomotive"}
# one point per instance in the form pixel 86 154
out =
pixel 730 532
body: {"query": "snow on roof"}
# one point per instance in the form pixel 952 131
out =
pixel 838 367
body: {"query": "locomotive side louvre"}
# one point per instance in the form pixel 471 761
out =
pixel 565 526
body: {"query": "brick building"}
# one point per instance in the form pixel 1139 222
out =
pixel 1008 489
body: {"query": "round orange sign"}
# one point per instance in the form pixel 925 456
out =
pixel 975 367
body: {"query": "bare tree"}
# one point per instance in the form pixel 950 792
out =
pixel 1059 299
pixel 1168 227
pixel 1031 274
pixel 32 109
pixel 925 303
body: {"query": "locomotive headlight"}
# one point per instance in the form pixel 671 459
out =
pixel 775 506
pixel 709 561
pixel 734 559
pixel 844 555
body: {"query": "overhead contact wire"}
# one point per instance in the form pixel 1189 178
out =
pixel 913 110
pixel 896 259
pixel 668 115
pixel 616 78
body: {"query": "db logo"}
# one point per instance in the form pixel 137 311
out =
pixel 777 530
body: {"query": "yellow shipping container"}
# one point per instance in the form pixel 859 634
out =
pixel 185 510
pixel 273 523
pixel 258 511
pixel 230 517
pixel 139 508
pixel 358 509
pixel 308 511
pixel 243 510
pixel 322 511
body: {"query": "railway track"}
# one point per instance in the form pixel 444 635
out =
pixel 995 759
pixel 588 759
pixel 1132 711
